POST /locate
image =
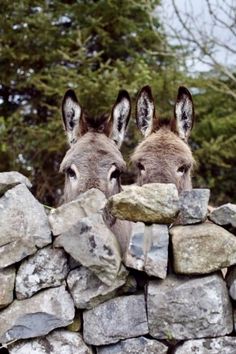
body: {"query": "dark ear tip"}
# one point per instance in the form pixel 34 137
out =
pixel 183 91
pixel 70 94
pixel 123 94
pixel 146 90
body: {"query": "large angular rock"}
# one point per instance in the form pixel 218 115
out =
pixel 9 180
pixel 185 308
pixel 7 281
pixel 57 342
pixel 135 346
pixel 87 289
pixel 193 206
pixel 224 215
pixel 37 316
pixel 151 203
pixel 119 318
pixel 92 244
pixel 24 225
pixel 231 281
pixel 148 249
pixel 64 217
pixel 202 248
pixel 222 345
pixel 46 268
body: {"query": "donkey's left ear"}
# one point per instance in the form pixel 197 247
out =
pixel 120 117
pixel 184 113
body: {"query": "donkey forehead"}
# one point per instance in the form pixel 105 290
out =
pixel 93 149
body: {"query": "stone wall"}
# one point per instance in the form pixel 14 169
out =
pixel 66 288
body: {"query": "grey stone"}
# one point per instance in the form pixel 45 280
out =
pixel 202 248
pixel 57 342
pixel 92 244
pixel 9 180
pixel 120 318
pixel 24 225
pixel 193 206
pixel 224 215
pixel 134 346
pixel 64 217
pixel 7 281
pixel 148 249
pixel 37 316
pixel 151 203
pixel 185 308
pixel 46 268
pixel 231 281
pixel 221 345
pixel 87 289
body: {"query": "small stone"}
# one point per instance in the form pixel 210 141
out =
pixel 37 316
pixel 92 244
pixel 9 180
pixel 202 249
pixel 76 325
pixel 7 281
pixel 135 255
pixel 231 281
pixel 193 206
pixel 151 203
pixel 120 318
pixel 46 268
pixel 64 217
pixel 87 289
pixel 24 225
pixel 134 346
pixel 224 215
pixel 221 345
pixel 185 308
pixel 57 342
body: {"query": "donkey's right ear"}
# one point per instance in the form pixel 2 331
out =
pixel 145 110
pixel 71 114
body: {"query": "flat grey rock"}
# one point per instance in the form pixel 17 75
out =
pixel 202 249
pixel 65 216
pixel 135 346
pixel 46 268
pixel 57 342
pixel 9 180
pixel 186 308
pixel 224 215
pixel 231 281
pixel 89 291
pixel 151 203
pixel 24 225
pixel 221 345
pixel 7 281
pixel 120 318
pixel 37 316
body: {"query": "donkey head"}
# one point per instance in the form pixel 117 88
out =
pixel 94 159
pixel 164 155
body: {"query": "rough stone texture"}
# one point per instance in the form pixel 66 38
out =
pixel 193 206
pixel 135 346
pixel 24 225
pixel 231 281
pixel 64 217
pixel 185 308
pixel 87 289
pixel 94 246
pixel 7 281
pixel 46 268
pixel 222 345
pixel 224 215
pixel 57 342
pixel 37 316
pixel 119 318
pixel 202 248
pixel 148 249
pixel 152 203
pixel 9 180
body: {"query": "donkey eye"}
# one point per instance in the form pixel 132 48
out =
pixel 140 166
pixel 183 169
pixel 115 174
pixel 71 173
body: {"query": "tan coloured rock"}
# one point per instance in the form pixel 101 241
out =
pixel 7 281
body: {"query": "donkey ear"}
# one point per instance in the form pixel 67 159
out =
pixel 184 113
pixel 71 113
pixel 145 111
pixel 120 117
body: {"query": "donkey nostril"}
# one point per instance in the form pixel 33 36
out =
pixel 140 167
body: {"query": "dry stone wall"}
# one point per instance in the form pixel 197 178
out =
pixel 67 289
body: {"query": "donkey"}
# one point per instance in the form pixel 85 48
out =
pixel 94 159
pixel 164 155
